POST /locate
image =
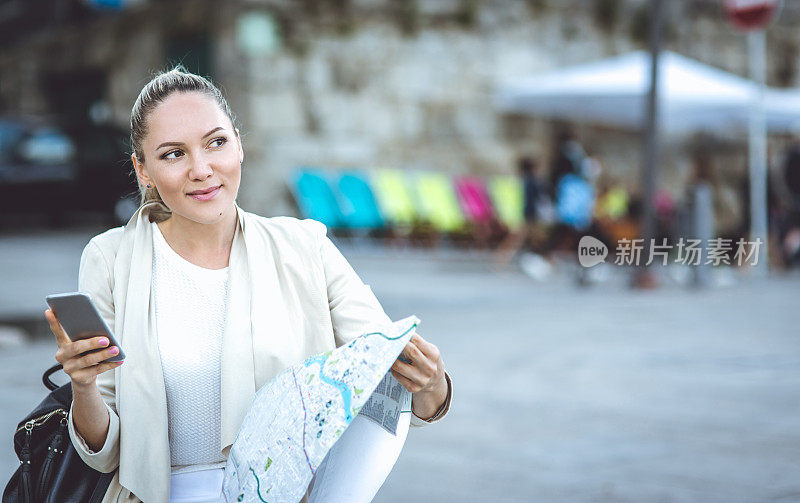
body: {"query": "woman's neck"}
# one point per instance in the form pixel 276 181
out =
pixel 205 245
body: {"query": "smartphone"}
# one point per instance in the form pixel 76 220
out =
pixel 81 320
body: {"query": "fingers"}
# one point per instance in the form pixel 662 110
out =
pixel 97 357
pixel 56 328
pixel 74 348
pixel 420 374
pixel 79 362
pixel 89 344
pixel 88 375
pixel 83 367
pixel 425 364
pixel 413 353
pixel 406 382
pixel 430 350
pixel 405 369
pixel 81 359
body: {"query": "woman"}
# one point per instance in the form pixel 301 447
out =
pixel 209 302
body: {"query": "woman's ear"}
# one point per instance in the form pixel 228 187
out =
pixel 141 174
pixel 241 149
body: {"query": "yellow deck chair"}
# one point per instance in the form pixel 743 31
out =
pixel 393 196
pixel 437 201
pixel 507 197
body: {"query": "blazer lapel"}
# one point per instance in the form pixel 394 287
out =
pixel 274 347
pixel 238 381
pixel 141 395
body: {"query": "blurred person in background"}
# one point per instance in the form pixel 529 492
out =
pixel 789 227
pixel 568 158
pixel 666 216
pixel 572 173
pixel 182 273
pixel 529 242
pixel 699 207
pixel 726 216
pixel 535 202
pixel 791 172
pixel 575 199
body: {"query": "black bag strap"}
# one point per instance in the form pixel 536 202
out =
pixel 46 377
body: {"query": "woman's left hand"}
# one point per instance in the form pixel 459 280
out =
pixel 424 376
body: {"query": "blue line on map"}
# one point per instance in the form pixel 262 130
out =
pixel 258 485
pixel 305 416
pixel 412 327
pixel 342 387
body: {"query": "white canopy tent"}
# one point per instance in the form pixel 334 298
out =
pixel 692 96
pixel 783 110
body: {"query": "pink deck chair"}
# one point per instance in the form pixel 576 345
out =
pixel 474 198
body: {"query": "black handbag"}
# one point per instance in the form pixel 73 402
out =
pixel 51 471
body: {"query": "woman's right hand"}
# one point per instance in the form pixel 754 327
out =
pixel 82 369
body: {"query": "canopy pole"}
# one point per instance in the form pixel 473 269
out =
pixel 757 150
pixel 645 279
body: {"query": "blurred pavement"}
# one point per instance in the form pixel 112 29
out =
pixel 560 393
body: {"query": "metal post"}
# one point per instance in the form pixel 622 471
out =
pixel 756 44
pixel 650 147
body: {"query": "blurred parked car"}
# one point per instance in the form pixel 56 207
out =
pixel 58 172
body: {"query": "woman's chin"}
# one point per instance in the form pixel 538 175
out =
pixel 205 213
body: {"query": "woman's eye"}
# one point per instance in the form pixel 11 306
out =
pixel 217 142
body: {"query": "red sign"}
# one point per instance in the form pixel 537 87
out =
pixel 749 15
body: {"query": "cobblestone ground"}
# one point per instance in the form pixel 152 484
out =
pixel 561 393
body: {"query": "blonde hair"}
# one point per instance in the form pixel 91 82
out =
pixel 154 93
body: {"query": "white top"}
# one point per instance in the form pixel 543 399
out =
pixel 190 307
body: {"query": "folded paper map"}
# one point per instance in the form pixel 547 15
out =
pixel 299 415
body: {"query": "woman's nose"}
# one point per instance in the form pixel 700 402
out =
pixel 201 169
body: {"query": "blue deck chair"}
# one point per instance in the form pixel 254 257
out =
pixel 359 208
pixel 315 196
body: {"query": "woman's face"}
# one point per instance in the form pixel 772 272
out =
pixel 191 146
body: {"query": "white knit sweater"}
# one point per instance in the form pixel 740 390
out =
pixel 190 307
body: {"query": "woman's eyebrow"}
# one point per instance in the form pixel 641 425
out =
pixel 177 143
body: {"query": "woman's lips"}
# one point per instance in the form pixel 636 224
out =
pixel 206 196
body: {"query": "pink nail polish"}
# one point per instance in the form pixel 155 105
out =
pixel 104 342
pixel 114 350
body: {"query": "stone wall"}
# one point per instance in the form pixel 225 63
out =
pixel 398 83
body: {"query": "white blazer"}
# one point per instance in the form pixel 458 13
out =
pixel 292 295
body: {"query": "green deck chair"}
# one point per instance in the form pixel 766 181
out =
pixel 436 199
pixel 506 194
pixel 393 196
